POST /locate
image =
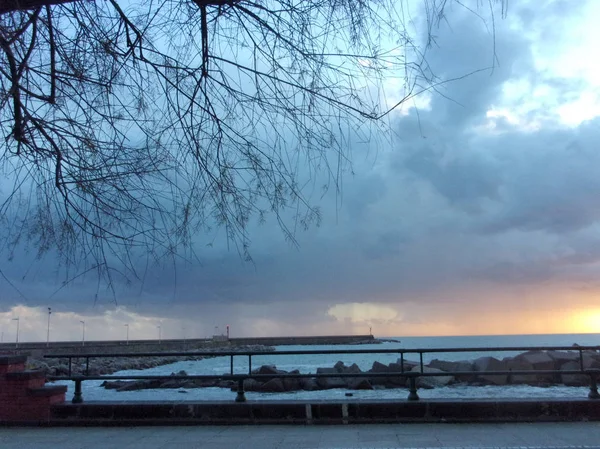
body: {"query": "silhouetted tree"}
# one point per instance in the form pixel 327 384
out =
pixel 135 124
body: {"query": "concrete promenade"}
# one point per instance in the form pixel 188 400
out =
pixel 581 435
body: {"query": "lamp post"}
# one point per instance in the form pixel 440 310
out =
pixel 82 332
pixel 17 340
pixel 127 326
pixel 48 333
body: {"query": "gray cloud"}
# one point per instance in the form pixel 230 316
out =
pixel 442 214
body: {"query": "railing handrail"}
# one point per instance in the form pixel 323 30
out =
pixel 325 352
pixel 318 375
pixel 411 376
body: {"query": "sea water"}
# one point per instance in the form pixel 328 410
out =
pixel 310 362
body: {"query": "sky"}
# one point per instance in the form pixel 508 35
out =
pixel 477 214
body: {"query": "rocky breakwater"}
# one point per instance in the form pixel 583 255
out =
pixel 109 365
pixel 471 372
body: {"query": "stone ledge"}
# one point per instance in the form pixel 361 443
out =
pixel 323 412
pixel 49 390
pixel 12 359
pixel 25 375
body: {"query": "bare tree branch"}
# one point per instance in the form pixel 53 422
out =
pixel 131 128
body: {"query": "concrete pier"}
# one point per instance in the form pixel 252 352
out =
pixel 166 345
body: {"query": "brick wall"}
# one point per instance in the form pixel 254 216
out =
pixel 24 395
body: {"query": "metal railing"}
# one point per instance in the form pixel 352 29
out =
pixel 411 376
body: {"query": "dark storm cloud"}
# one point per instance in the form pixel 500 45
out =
pixel 451 202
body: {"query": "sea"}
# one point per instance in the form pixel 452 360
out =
pixel 93 391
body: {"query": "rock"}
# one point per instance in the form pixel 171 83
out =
pixel 61 370
pixel 291 384
pixel 562 357
pixel 114 385
pixel 539 360
pixel 172 384
pixel 266 369
pixel 360 384
pixel 408 364
pixel 327 383
pixel 518 379
pixel 396 381
pixel 590 360
pixel 250 385
pixel 273 386
pixel 309 384
pixel 483 364
pixel 352 369
pixel 226 384
pixel 462 365
pixel 573 380
pixel 431 381
pixel 379 368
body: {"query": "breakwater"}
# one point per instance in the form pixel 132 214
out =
pixel 37 349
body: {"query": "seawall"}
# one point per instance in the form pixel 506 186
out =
pixel 166 345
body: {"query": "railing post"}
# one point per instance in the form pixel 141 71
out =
pixel 412 395
pixel 87 366
pixel 241 397
pixel 77 396
pixel 593 394
pixel 231 365
pixel 421 359
pixel 70 364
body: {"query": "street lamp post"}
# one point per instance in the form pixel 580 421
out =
pixel 48 333
pixel 17 340
pixel 127 326
pixel 82 332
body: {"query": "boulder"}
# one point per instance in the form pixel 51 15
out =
pixel 562 357
pixel 273 386
pixel 61 370
pixel 359 384
pixel 352 369
pixel 379 367
pixel 462 365
pixel 115 385
pixel 513 364
pixel 590 360
pixel 266 369
pixel 431 381
pixel 291 384
pixel 573 380
pixel 408 364
pixel 250 385
pixel 483 364
pixel 330 382
pixel 309 384
pixel 540 360
pixel 398 381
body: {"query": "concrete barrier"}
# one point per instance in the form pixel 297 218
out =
pixel 324 412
